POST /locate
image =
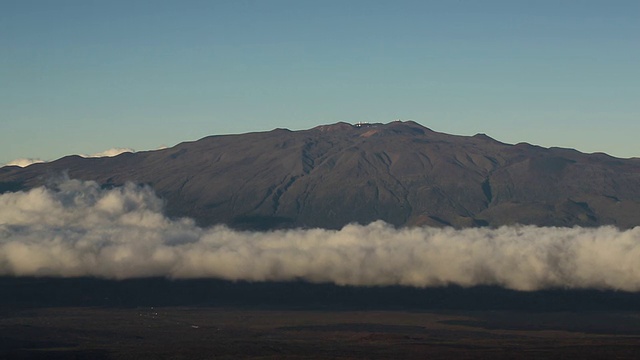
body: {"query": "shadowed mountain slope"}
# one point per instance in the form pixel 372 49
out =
pixel 401 172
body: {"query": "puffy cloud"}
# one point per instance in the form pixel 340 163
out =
pixel 77 228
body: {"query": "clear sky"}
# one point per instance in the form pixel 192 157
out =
pixel 84 76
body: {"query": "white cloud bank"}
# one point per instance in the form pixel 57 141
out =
pixel 79 229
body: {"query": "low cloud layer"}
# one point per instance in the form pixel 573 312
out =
pixel 79 229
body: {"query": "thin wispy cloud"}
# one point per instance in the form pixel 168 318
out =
pixel 24 162
pixel 77 228
pixel 110 153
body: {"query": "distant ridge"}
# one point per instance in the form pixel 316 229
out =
pixel 400 172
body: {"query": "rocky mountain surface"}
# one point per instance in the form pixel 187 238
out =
pixel 332 175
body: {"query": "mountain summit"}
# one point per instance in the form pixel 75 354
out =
pixel 400 172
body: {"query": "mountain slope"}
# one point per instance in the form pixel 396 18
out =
pixel 400 172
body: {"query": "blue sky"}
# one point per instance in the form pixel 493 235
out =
pixel 84 76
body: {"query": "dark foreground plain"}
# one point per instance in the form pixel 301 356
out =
pixel 212 319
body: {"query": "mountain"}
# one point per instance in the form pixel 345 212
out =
pixel 400 172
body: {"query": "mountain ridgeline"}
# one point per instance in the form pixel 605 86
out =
pixel 332 175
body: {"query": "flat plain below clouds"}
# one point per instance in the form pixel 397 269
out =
pixel 75 228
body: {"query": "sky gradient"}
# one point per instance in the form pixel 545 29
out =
pixel 83 76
